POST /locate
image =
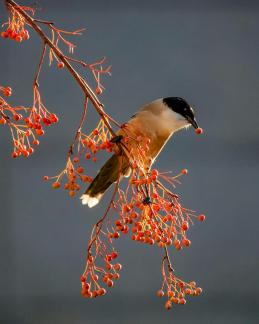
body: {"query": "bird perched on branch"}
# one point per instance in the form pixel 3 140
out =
pixel 154 123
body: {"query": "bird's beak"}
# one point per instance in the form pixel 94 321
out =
pixel 193 122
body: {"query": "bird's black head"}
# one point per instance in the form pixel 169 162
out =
pixel 181 106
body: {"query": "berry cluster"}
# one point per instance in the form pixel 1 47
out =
pixel 18 36
pixel 87 148
pixel 16 25
pixel 155 214
pixel 98 140
pixel 26 123
pixel 91 286
pixel 72 173
pixel 175 289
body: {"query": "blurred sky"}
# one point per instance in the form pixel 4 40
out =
pixel 204 51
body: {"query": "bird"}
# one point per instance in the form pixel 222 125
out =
pixel 157 121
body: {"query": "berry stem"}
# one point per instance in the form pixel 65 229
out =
pixel 81 82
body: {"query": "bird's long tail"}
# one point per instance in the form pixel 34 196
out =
pixel 108 174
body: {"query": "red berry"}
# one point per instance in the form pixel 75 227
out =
pixel 46 178
pixel 56 185
pixel 114 255
pixel 26 153
pixel 201 218
pixel 25 35
pixel 186 242
pixel 61 65
pixel 12 34
pixel 4 34
pixel 36 142
pixel 184 171
pixel 182 301
pixel 110 283
pixel 53 118
pixel 82 279
pixel 15 155
pixel 118 267
pixel 185 226
pixel 18 38
pixel 30 150
pixel 198 130
pixel 7 91
pixel 16 117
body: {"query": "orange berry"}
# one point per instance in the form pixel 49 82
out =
pixel 168 305
pixel 15 155
pixel 98 90
pixel 116 276
pixel 60 65
pixel 36 142
pixel 160 293
pixel 76 159
pixel 80 169
pixel 193 283
pixel 185 226
pixel 40 132
pixel 56 185
pixel 118 267
pixel 198 130
pixel 101 292
pixel 94 158
pixel 198 290
pixel 170 293
pixel 72 193
pixel 95 132
pixel 88 156
pixel 2 121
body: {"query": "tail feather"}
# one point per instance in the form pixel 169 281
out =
pixel 108 174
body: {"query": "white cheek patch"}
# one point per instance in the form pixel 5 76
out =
pixel 172 120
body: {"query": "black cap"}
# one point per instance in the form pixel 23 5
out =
pixel 181 106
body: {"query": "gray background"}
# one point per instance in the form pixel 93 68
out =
pixel 204 51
